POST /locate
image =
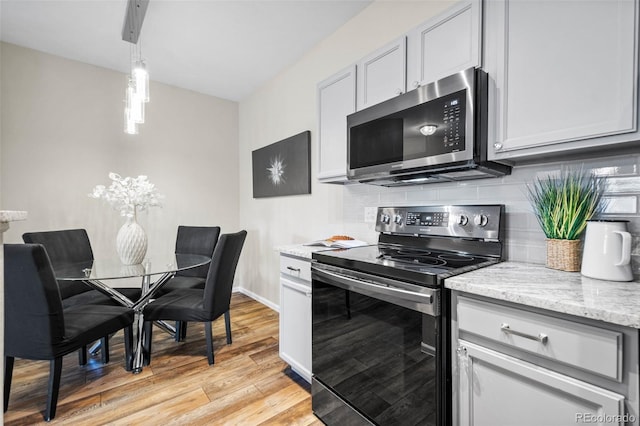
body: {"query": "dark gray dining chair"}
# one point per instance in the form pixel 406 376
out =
pixel 198 305
pixel 200 240
pixel 73 246
pixel 65 246
pixel 38 327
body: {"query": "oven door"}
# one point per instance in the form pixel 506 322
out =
pixel 376 351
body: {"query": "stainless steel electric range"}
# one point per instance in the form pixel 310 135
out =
pixel 380 333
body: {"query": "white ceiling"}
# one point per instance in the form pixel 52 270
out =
pixel 224 48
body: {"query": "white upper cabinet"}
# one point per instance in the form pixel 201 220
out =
pixel 381 75
pixel 446 44
pixel 563 75
pixel 336 100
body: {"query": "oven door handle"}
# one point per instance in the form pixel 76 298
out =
pixel 370 289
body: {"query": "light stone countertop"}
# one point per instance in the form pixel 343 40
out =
pixel 12 215
pixel 300 250
pixel 566 292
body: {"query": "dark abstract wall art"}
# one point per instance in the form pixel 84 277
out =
pixel 283 168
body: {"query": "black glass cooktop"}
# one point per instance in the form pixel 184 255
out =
pixel 423 267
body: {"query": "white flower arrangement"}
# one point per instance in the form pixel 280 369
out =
pixel 129 195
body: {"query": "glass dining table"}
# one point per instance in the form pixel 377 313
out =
pixel 155 272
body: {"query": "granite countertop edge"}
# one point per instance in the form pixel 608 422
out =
pixel 12 215
pixel 299 250
pixel 566 292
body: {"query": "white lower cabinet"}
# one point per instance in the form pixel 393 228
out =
pixel 295 315
pixel 496 389
pixel 517 365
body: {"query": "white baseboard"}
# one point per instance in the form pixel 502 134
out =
pixel 260 299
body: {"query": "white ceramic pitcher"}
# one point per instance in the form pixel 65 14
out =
pixel 607 251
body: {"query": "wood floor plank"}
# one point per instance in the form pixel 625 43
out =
pixel 222 408
pixel 298 415
pixel 266 407
pixel 179 404
pixel 248 384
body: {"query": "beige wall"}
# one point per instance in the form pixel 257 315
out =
pixel 287 106
pixel 62 133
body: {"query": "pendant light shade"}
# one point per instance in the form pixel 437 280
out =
pixel 130 126
pixel 134 103
pixel 137 92
pixel 141 80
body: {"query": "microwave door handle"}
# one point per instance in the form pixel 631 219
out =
pixel 349 283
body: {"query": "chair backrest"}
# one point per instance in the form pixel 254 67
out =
pixel 64 246
pixel 219 284
pixel 197 240
pixel 34 320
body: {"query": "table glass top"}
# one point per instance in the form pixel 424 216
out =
pixel 106 269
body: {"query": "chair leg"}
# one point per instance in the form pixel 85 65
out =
pixel 55 370
pixel 104 349
pixel 8 374
pixel 227 325
pixel 209 335
pixel 146 341
pixel 178 335
pixel 82 355
pixel 128 345
pixel 181 331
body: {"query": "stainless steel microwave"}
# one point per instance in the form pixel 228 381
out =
pixel 435 133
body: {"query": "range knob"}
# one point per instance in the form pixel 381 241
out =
pixel 481 220
pixel 463 220
pixel 384 218
pixel 397 219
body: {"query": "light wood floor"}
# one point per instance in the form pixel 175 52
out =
pixel 248 385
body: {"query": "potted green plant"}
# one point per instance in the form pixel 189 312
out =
pixel 562 206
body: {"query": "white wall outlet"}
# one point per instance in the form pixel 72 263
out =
pixel 370 214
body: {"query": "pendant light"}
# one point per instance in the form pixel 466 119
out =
pixel 137 91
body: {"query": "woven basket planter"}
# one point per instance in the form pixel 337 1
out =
pixel 564 255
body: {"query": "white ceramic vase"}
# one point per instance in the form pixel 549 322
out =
pixel 131 242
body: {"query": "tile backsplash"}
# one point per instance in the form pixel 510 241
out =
pixel 525 241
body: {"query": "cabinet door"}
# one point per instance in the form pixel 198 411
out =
pixel 382 74
pixel 295 325
pixel 495 390
pixel 336 100
pixel 562 73
pixel 445 45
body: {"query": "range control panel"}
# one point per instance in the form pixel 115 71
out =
pixel 470 221
pixel 427 218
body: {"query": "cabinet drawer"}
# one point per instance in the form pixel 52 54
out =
pixel 293 267
pixel 496 389
pixel 579 345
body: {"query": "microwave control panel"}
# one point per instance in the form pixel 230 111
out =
pixel 453 122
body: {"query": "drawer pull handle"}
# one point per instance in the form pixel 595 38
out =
pixel 542 338
pixel 291 268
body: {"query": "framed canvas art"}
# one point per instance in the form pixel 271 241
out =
pixel 283 168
